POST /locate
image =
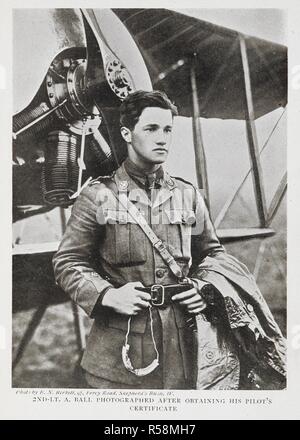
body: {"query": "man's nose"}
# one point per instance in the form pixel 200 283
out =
pixel 161 142
pixel 161 139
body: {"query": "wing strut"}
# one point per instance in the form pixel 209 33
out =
pixel 252 137
pixel 200 159
pixel 278 196
pixel 232 197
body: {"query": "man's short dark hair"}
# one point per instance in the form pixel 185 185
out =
pixel 133 105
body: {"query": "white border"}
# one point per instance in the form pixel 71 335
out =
pixel 285 404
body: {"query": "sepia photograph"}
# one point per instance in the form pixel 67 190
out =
pixel 149 180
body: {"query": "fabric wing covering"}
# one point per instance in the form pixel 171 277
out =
pixel 168 41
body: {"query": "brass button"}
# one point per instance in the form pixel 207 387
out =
pixel 160 273
pixel 250 308
pixel 123 185
pixel 188 217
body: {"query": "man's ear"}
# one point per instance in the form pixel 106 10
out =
pixel 126 134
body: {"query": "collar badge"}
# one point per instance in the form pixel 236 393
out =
pixel 170 182
pixel 123 185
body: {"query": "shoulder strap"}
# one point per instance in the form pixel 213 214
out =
pixel 156 242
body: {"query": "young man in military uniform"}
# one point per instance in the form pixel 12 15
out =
pixel 132 283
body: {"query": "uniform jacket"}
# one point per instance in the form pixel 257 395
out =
pixel 103 247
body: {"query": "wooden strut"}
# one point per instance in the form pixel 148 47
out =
pixel 278 196
pixel 31 328
pixel 200 159
pixel 252 137
pixel 232 197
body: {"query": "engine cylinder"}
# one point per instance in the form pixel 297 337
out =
pixel 60 171
pixel 30 114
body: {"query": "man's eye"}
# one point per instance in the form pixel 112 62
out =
pixel 168 130
pixel 150 129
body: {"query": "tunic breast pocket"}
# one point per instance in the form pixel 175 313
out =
pixel 179 231
pixel 124 242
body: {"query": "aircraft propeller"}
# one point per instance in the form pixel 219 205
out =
pixel 73 114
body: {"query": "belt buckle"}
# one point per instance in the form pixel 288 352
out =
pixel 157 295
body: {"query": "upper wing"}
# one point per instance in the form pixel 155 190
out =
pixel 168 40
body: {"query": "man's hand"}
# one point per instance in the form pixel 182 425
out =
pixel 126 299
pixel 192 299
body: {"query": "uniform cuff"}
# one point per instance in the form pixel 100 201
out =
pixel 98 308
pixel 90 290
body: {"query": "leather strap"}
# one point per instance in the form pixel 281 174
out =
pixel 156 242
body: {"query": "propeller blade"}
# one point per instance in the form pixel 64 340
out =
pixel 94 75
pixel 112 57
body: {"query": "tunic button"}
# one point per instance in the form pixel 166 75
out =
pixel 250 308
pixel 160 273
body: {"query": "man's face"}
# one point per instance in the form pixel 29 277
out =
pixel 151 136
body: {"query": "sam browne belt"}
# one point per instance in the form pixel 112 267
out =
pixel 161 295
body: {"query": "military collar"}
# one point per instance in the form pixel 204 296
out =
pixel 124 176
pixel 140 175
pixel 169 181
pixel 126 184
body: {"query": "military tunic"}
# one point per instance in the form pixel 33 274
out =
pixel 103 247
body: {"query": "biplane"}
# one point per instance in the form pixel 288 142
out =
pixel 72 68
